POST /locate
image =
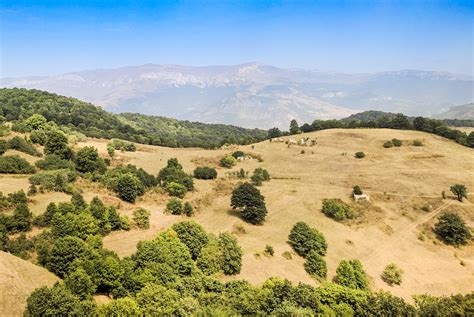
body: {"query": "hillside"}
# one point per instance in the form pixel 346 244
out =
pixel 463 112
pixel 18 278
pixel 95 122
pixel 400 181
pixel 255 95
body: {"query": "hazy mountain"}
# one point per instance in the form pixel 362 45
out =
pixel 458 112
pixel 256 95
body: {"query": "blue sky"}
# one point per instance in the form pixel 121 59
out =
pixel 52 37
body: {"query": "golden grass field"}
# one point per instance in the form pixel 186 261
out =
pixel 391 228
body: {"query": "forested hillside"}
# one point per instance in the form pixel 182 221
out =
pixel 18 104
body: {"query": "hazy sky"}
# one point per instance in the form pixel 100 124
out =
pixel 51 37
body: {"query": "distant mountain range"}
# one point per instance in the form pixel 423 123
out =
pixel 256 95
pixel 458 112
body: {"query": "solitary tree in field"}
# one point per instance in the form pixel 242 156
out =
pixel 247 198
pixel 459 190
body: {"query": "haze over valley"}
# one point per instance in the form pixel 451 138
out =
pixel 256 95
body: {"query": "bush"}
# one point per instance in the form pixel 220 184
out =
pixel 122 145
pixel 459 190
pixel 250 202
pixel 260 175
pixel 351 274
pixel 22 218
pixel 359 155
pixel 188 209
pixel 56 143
pixel 337 209
pixel 173 172
pixel 452 229
pixel 210 260
pixel 120 307
pixel 57 301
pixel 417 143
pixel 397 142
pixel 141 217
pixel 304 239
pixel 15 165
pixel 55 180
pixel 392 274
pixel 269 251
pixel 88 160
pixel 228 161
pixel 38 137
pixel 176 190
pixel 205 173
pixel 357 190
pixel 80 284
pixel 174 206
pixel 54 162
pixel 3 147
pixel 22 145
pixel 231 254
pixel 388 144
pixel 315 265
pixel 238 154
pixel 64 251
pixel 128 187
pixel 192 235
pixel 19 246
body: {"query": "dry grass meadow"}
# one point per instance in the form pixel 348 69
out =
pixel 392 227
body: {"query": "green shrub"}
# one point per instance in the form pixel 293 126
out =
pixel 337 209
pixel 57 301
pixel 188 209
pixel 88 160
pixel 228 161
pixel 417 143
pixel 174 206
pixel 176 190
pixel 388 144
pixel 205 173
pixel 120 307
pixel 192 235
pixel 3 147
pixel 54 180
pixel 392 274
pixel 304 239
pixel 35 122
pixel 122 145
pixel 259 176
pixel 54 162
pixel 15 165
pixel 22 218
pixel 22 145
pixel 357 190
pixel 80 284
pixel 359 155
pixel 141 217
pixel 315 265
pixel 38 137
pixel 397 142
pixel 128 187
pixel 250 202
pixel 17 198
pixel 20 246
pixel 231 254
pixel 238 154
pixel 173 172
pixel 269 251
pixel 56 143
pixel 351 274
pixel 452 229
pixel 210 260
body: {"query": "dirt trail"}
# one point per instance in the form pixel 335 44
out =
pixel 400 234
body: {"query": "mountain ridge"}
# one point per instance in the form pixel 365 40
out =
pixel 255 94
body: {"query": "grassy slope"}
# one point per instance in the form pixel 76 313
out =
pixel 386 232
pixel 18 278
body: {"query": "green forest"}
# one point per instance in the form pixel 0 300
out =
pixel 19 104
